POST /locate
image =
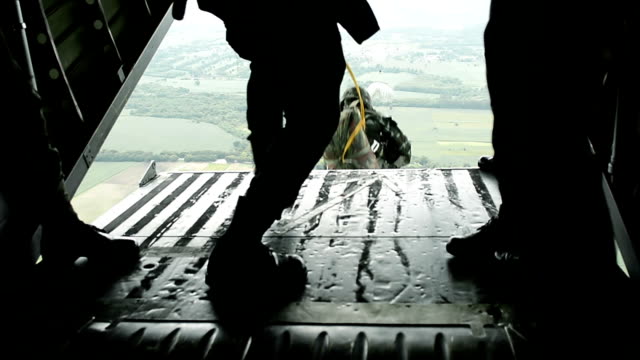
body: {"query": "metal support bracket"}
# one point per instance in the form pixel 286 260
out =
pixel 149 174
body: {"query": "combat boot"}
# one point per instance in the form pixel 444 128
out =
pixel 68 242
pixel 489 242
pixel 247 281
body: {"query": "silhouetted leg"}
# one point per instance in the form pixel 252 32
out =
pixel 312 114
pixel 34 189
pixel 544 79
pixel 31 167
pixel 493 70
pixel 264 112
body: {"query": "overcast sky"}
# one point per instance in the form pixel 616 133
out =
pixel 439 14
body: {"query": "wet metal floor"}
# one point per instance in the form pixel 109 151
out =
pixel 373 242
pixel 366 236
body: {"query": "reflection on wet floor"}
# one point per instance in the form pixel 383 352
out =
pixel 366 236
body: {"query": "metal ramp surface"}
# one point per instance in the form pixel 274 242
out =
pixel 381 284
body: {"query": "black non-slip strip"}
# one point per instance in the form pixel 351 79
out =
pixel 483 192
pixel 321 198
pixel 160 230
pixel 139 204
pixel 372 204
pixel 204 218
pixel 352 184
pixel 148 217
pixel 452 188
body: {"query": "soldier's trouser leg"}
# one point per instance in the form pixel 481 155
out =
pixel 543 91
pixel 29 189
pixel 285 157
pixel 288 154
pixel 264 114
pixel 31 185
pixel 35 193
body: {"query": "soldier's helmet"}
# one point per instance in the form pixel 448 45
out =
pixel 351 95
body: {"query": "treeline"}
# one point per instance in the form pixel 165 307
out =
pixel 444 90
pixel 453 94
pixel 226 111
pixel 170 156
pixel 210 156
pixel 229 111
pixel 383 69
pixel 446 103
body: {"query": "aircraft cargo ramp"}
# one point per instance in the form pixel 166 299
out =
pixel 380 283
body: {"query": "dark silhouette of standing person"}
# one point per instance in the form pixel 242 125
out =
pixel 290 44
pixel 33 193
pixel 50 299
pixel 524 60
pixel 546 63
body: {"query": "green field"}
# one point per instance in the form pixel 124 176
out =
pixel 447 137
pixel 217 167
pixel 100 172
pixel 470 73
pixel 138 133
